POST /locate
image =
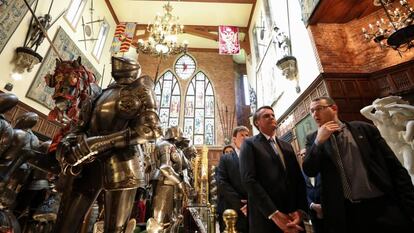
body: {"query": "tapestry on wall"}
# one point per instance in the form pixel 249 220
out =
pixel 68 50
pixel 11 14
pixel 303 128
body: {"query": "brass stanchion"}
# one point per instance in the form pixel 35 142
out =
pixel 212 219
pixel 230 219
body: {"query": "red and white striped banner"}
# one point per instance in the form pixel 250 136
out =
pixel 229 40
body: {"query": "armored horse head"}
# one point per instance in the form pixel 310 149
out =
pixel 74 84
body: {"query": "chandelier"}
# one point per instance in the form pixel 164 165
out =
pixel 397 31
pixel 163 33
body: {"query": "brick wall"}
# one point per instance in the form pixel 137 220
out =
pixel 341 48
pixel 218 68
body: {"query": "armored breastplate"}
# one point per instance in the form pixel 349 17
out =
pixel 105 116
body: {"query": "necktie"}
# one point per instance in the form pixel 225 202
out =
pixel 278 151
pixel 337 158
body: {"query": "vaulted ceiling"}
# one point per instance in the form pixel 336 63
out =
pixel 200 18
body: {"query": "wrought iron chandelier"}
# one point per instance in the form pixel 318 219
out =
pixel 163 33
pixel 397 30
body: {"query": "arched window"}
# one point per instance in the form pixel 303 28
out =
pixel 185 66
pixel 199 124
pixel 167 92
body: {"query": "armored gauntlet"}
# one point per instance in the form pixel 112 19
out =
pixel 87 148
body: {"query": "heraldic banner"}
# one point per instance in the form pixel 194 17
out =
pixel 124 33
pixel 229 40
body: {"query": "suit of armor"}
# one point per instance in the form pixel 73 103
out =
pixel 172 187
pixel 7 102
pixel 105 152
pixel 15 171
pixel 22 145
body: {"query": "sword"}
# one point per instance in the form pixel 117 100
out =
pixel 86 157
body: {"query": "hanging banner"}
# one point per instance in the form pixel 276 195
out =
pixel 123 35
pixel 229 40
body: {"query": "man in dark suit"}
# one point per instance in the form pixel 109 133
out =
pixel 313 194
pixel 272 178
pixel 230 189
pixel 364 186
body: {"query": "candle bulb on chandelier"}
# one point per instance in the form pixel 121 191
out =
pixel 397 12
pixel 397 30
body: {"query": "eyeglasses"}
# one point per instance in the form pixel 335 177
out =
pixel 319 108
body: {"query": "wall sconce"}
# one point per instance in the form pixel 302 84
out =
pixel 26 59
pixel 8 87
pixel 288 65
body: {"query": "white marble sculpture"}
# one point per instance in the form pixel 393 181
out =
pixel 394 118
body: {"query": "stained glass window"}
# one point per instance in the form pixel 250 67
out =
pixel 185 66
pixel 167 93
pixel 199 124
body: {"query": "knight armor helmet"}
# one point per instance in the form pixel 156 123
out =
pixel 174 132
pixel 125 68
pixel 7 102
pixel 27 120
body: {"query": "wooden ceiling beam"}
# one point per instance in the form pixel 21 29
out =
pixel 251 15
pixel 111 9
pixel 217 1
pixel 215 50
pixel 206 28
pixel 195 30
pixel 201 33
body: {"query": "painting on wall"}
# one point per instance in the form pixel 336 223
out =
pixel 68 50
pixel 303 128
pixel 11 14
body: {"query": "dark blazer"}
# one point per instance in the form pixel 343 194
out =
pixel 383 168
pixel 231 189
pixel 268 185
pixel 313 193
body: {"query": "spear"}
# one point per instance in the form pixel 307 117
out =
pixel 232 119
pixel 31 22
pixel 102 76
pixel 228 115
pixel 84 35
pixel 220 117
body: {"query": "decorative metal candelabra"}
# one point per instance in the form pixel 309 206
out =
pixel 397 30
pixel 163 34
